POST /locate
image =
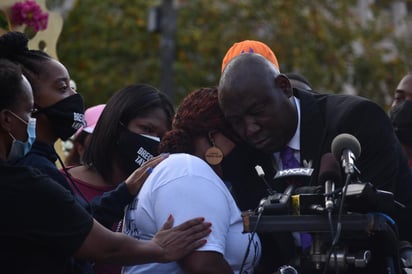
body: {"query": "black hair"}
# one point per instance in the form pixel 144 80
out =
pixel 10 83
pixel 14 47
pixel 128 103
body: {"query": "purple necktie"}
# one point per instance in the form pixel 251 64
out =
pixel 288 158
pixel 289 161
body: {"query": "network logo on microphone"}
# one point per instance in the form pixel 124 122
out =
pixel 293 172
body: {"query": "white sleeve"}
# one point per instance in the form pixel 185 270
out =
pixel 194 196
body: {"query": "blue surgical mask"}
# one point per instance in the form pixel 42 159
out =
pixel 18 148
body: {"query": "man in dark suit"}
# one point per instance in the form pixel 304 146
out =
pixel 269 115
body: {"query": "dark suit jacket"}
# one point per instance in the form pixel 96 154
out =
pixel 382 160
pixel 323 117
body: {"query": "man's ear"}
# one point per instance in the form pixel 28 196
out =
pixel 5 120
pixel 282 82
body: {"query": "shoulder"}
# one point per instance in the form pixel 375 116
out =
pixel 84 175
pixel 341 99
pixel 31 181
pixel 184 163
pixel 17 173
pixel 181 167
pixel 341 105
pixel 39 161
pixel 345 102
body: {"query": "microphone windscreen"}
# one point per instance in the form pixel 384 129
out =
pixel 329 169
pixel 345 141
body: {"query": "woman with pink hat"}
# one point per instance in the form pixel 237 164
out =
pixel 82 136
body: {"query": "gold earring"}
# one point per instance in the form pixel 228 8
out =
pixel 213 155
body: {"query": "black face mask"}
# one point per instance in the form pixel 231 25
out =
pixel 135 149
pixel 401 118
pixel 65 116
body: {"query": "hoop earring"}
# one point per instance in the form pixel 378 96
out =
pixel 213 155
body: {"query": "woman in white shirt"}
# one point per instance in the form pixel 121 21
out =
pixel 189 183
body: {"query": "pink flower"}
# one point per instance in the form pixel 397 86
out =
pixel 29 13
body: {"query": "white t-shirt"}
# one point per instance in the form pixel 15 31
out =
pixel 186 187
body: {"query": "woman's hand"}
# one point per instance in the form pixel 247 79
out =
pixel 181 240
pixel 135 181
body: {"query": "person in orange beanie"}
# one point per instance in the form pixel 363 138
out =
pixel 250 46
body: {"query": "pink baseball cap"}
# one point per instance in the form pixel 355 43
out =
pixel 91 116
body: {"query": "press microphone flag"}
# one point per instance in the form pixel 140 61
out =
pixel 346 148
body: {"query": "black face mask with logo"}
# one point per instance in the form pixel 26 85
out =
pixel 65 116
pixel 135 149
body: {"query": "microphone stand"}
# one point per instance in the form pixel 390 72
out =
pixel 338 224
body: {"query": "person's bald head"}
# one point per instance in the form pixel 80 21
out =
pixel 254 97
pixel 251 65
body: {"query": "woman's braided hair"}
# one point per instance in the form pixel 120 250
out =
pixel 198 114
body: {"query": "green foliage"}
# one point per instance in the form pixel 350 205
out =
pixel 106 45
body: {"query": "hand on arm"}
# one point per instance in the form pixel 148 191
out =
pixel 182 239
pixel 103 245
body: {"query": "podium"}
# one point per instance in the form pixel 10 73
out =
pixel 368 243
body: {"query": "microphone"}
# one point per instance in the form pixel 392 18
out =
pixel 346 148
pixel 276 202
pixel 261 174
pixel 329 174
